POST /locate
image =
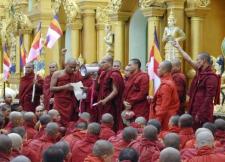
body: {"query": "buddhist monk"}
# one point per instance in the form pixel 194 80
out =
pixel 84 147
pixel 172 140
pixel 26 89
pixel 170 154
pixel 64 98
pixel 106 127
pixel 165 102
pixel 205 144
pixel 128 154
pixel 129 134
pixel 117 65
pixel 8 100
pixel 110 90
pixel 147 147
pixel 181 84
pixel 48 95
pixel 64 146
pixel 102 152
pixel 204 87
pixel 53 154
pixel 21 158
pixel 15 120
pixel 186 131
pixel 139 124
pixel 48 139
pixel 29 124
pixel 5 148
pixel 220 132
pixel 2 123
pixel 55 116
pixel 173 126
pixel 136 90
pixel 155 123
pixel 17 143
pixel 39 110
pixel 44 120
pixel 5 111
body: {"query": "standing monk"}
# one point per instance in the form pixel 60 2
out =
pixel 204 88
pixel 165 102
pixel 180 82
pixel 136 90
pixel 64 98
pixel 110 90
pixel 48 95
pixel 26 89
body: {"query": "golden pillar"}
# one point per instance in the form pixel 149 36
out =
pixel 100 41
pixel 154 15
pixel 197 30
pixel 26 39
pixel 89 36
pixel 17 53
pixel 119 30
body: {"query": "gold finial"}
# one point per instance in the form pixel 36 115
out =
pixel 171 16
pixel 81 59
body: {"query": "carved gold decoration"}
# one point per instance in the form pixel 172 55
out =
pixel 198 3
pixel 102 15
pixel 109 40
pixel 114 6
pixel 151 3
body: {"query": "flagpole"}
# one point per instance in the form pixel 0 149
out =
pixel 34 87
pixel 4 89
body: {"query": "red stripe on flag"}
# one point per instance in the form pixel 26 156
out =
pixel 56 28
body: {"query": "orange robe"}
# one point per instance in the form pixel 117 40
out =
pixel 65 101
pixel 181 85
pixel 186 134
pixel 136 92
pixel 93 158
pixel 148 150
pixel 114 106
pixel 206 154
pixel 47 93
pixel 173 129
pixel 165 102
pixel 25 92
pixel 83 148
pixel 106 132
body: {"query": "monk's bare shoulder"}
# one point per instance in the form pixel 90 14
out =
pixel 58 73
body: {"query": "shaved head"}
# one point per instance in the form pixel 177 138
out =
pixel 54 114
pixel 45 119
pixel 52 129
pixel 172 140
pixel 107 118
pixel 185 121
pixel 5 144
pixel 205 139
pixel 17 141
pixel 174 120
pixel 29 68
pixel 81 125
pixel 205 56
pixel 220 124
pixel 164 68
pixel 150 132
pixel 70 65
pixel 117 65
pixel 155 123
pixel 16 118
pixel 109 59
pixel 106 62
pixel 170 154
pixel 176 63
pixel 102 147
pixel 29 116
pixel 19 130
pixel 53 67
pixel 64 146
pixel 140 120
pixel 85 116
pixel 21 158
pixel 199 130
pixel 210 126
pixel 94 128
pixel 129 134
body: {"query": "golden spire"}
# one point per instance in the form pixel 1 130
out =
pixel 171 16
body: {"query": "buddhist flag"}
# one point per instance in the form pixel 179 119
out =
pixel 23 53
pixel 153 64
pixel 6 63
pixel 54 33
pixel 36 46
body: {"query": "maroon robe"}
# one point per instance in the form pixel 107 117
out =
pixel 25 92
pixel 186 134
pixel 31 132
pixel 203 90
pixel 5 157
pixel 40 133
pixel 93 158
pixel 15 153
pixel 136 92
pixel 106 131
pixel 114 106
pixel 47 93
pixel 220 136
pixel 173 129
pixel 83 148
pixel 31 154
pixel 64 100
pixel 180 82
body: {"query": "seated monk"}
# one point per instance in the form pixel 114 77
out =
pixel 44 120
pixel 53 154
pixel 48 139
pixel 186 131
pixel 147 146
pixel 5 148
pixel 170 154
pixel 220 132
pixel 139 124
pixel 84 147
pixel 64 146
pixel 102 152
pixel 205 149
pixel 39 111
pixel 17 143
pixel 15 120
pixel 129 134
pixel 129 155
pixel 173 126
pixel 55 116
pixel 29 123
pixel 5 111
pixel 21 158
pixel 106 127
pixel 78 134
pixel 172 140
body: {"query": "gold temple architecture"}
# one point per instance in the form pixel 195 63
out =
pixel 124 28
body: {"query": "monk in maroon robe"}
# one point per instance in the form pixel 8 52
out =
pixel 64 98
pixel 220 132
pixel 181 84
pixel 136 90
pixel 165 102
pixel 106 127
pixel 48 95
pixel 29 123
pixel 110 90
pixel 26 89
pixel 204 88
pixel 5 148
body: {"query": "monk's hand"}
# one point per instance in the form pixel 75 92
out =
pixel 150 99
pixel 85 89
pixel 127 105
pixel 69 86
pixel 102 102
pixel 35 81
pixel 176 45
pixel 51 101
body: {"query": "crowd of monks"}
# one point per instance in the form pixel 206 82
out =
pixel 118 120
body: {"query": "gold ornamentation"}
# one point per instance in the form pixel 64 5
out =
pixel 102 15
pixel 109 40
pixel 151 3
pixel 198 3
pixel 114 6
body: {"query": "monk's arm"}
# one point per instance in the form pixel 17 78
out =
pixel 53 87
pixel 112 94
